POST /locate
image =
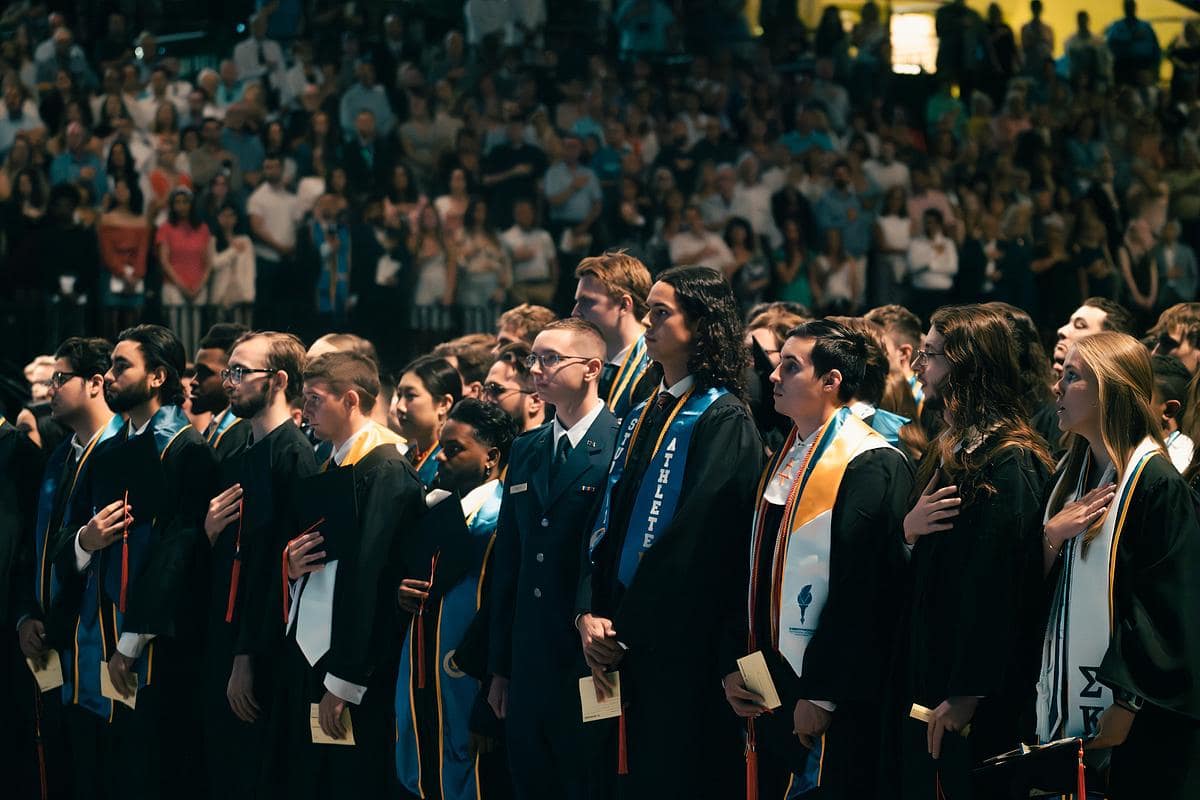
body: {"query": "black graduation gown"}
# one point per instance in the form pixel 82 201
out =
pixel 155 750
pixel 683 740
pixel 976 617
pixel 848 659
pixel 247 619
pixel 233 440
pixel 1155 648
pixel 364 647
pixel 20 466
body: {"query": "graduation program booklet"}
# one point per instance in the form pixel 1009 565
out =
pixel 594 710
pixel 51 675
pixel 108 690
pixel 757 678
pixel 321 737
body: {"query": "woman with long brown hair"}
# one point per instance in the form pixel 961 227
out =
pixel 1122 545
pixel 971 658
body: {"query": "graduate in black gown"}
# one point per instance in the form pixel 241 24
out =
pixel 136 569
pixel 971 639
pixel 248 524
pixel 227 433
pixel 77 402
pixel 343 627
pixel 667 567
pixel 611 294
pixel 827 567
pixel 20 466
pixel 1121 659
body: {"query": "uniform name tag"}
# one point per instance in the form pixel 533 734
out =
pixel 517 488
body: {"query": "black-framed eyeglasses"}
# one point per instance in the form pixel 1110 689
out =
pixel 59 379
pixel 926 355
pixel 550 360
pixel 497 392
pixel 236 375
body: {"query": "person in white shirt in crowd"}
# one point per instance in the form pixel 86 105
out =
pixel 534 264
pixel 932 265
pixel 885 171
pixel 259 58
pixel 752 201
pixel 892 239
pixel 1169 404
pixel 274 214
pixel 695 245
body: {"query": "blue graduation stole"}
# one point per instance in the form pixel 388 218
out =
pixel 427 467
pixel 333 291
pixel 456 691
pixel 656 499
pixel 888 425
pixel 221 424
pixel 46 582
pixel 918 393
pixel 620 394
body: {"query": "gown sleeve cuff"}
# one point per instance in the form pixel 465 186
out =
pixel 350 692
pixel 131 645
pixel 82 557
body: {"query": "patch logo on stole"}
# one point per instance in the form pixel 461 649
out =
pixel 803 600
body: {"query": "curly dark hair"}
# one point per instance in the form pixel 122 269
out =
pixel 982 397
pixel 719 353
pixel 1031 357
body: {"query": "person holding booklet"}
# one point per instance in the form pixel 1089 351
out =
pixel 332 719
pixel 666 566
pixel 248 523
pixel 435 697
pixel 553 482
pixel 970 658
pixel 826 568
pixel 1121 543
pixel 131 562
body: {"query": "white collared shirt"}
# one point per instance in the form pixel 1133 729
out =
pixel 576 432
pixel 339 455
pixel 679 389
pixel 780 487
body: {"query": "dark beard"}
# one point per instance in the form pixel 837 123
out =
pixel 122 401
pixel 249 406
pixel 209 402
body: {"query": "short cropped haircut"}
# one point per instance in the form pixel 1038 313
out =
pixel 899 322
pixel 285 353
pixel 620 274
pixel 837 347
pixel 222 336
pixel 581 329
pixel 492 425
pixel 526 320
pixel 87 356
pixel 1171 379
pixel 1118 320
pixel 349 343
pixel 345 372
pixel 876 366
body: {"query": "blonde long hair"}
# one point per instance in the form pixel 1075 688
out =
pixel 1125 380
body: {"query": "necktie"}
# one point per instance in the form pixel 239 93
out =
pixel 561 452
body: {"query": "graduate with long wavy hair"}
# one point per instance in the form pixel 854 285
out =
pixel 975 533
pixel 1122 546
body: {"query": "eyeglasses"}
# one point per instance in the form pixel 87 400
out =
pixel 497 392
pixel 1166 344
pixel 550 360
pixel 59 379
pixel 925 355
pixel 236 375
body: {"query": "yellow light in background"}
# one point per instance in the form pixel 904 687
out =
pixel 914 43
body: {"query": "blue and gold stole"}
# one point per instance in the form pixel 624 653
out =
pixel 662 482
pixel 46 583
pixel 426 466
pixel 620 394
pixel 918 394
pixel 219 426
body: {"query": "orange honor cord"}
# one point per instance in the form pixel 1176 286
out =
pixel 1082 789
pixel 751 763
pixel 125 553
pixel 420 627
pixel 622 746
pixel 41 745
pixel 237 567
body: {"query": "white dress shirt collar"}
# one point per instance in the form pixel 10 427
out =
pixel 340 454
pixel 576 432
